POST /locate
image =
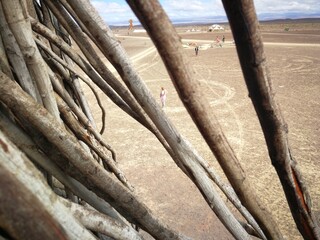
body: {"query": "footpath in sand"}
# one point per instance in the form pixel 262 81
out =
pixel 294 68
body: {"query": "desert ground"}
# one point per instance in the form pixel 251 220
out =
pixel 292 52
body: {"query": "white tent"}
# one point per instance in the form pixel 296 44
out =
pixel 215 27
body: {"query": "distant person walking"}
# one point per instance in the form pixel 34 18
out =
pixel 196 50
pixel 163 97
pixel 218 41
pixel 223 39
pixel 130 29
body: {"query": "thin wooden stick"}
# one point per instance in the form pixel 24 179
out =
pixel 101 223
pixel 184 154
pixel 164 36
pixel 24 142
pixel 16 59
pixel 93 58
pixel 82 134
pixel 53 220
pixel 75 83
pixel 77 162
pixel 4 63
pixel 81 116
pixel 245 28
pixel 86 67
pixel 21 28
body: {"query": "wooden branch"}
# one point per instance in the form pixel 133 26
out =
pixel 86 67
pixel 26 195
pixel 100 223
pixel 21 29
pixel 21 213
pixel 16 59
pixel 184 155
pixel 245 28
pixel 75 83
pixel 47 20
pixel 23 141
pixel 82 117
pixel 30 9
pixel 164 36
pixel 77 162
pixel 93 58
pixel 75 17
pixel 229 192
pixel 4 63
pixel 82 134
pixel 101 84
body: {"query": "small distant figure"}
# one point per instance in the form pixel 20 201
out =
pixel 218 41
pixel 130 26
pixel 196 50
pixel 223 39
pixel 163 97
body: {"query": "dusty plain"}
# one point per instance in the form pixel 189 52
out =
pixel 292 50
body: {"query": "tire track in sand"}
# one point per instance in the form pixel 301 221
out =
pixel 223 99
pixel 213 86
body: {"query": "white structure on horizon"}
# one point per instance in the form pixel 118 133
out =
pixel 215 27
pixel 139 31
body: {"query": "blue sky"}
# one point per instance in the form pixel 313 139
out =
pixel 117 12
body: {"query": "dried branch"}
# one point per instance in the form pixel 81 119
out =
pixel 74 82
pixel 184 155
pixel 86 67
pixel 16 59
pixel 168 42
pixel 229 192
pixel 82 134
pixel 245 28
pixel 101 223
pixel 21 29
pixel 77 162
pixel 4 63
pixel 93 58
pixel 50 219
pixel 23 141
pixel 81 116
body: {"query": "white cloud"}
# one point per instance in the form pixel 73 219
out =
pixel 114 12
pixel 118 11
pixel 276 6
pixel 193 8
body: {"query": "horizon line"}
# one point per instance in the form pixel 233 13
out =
pixel 209 21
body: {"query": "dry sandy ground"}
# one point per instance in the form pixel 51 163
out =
pixel 294 62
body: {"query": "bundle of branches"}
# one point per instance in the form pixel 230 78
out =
pixel 59 177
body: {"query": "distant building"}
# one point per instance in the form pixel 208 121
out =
pixel 215 27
